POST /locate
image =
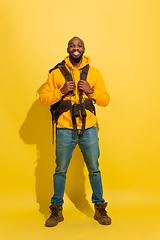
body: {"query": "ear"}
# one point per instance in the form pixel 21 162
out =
pixel 67 50
pixel 84 50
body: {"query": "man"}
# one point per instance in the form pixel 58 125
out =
pixel 70 129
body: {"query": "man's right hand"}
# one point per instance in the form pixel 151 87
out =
pixel 67 87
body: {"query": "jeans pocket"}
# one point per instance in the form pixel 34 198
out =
pixel 64 137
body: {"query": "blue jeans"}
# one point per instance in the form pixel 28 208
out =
pixel 66 141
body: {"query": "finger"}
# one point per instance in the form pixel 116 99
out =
pixel 71 83
pixel 72 86
pixel 80 83
pixel 81 88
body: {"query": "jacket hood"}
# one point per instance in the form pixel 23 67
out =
pixel 85 61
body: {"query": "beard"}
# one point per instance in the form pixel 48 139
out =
pixel 76 59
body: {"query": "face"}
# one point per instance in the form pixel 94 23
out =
pixel 76 49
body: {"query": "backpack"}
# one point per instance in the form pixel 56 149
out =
pixel 61 106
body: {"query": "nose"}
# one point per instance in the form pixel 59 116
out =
pixel 75 49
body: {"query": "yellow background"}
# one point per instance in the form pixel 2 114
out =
pixel 122 38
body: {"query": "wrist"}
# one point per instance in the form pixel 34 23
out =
pixel 92 91
pixel 61 90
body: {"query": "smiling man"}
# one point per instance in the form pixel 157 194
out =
pixel 76 53
pixel 76 124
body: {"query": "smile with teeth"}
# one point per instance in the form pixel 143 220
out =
pixel 76 53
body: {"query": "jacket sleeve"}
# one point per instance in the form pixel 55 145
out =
pixel 51 92
pixel 100 95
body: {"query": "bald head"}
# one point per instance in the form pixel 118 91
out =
pixel 72 39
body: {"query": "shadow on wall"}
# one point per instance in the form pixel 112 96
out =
pixel 37 129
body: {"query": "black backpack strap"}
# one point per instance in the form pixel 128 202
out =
pixel 83 76
pixel 84 72
pixel 55 67
pixel 65 73
pixel 63 70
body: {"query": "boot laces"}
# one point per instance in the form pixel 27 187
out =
pixel 54 212
pixel 102 211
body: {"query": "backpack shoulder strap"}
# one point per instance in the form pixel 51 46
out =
pixel 83 76
pixel 67 74
pixel 63 70
pixel 56 66
pixel 84 72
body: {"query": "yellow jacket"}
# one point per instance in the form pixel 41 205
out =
pixel 51 92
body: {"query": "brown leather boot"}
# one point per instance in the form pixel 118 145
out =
pixel 55 217
pixel 101 214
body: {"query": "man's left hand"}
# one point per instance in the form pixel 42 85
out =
pixel 84 85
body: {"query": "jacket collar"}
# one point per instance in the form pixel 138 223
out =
pixel 85 61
